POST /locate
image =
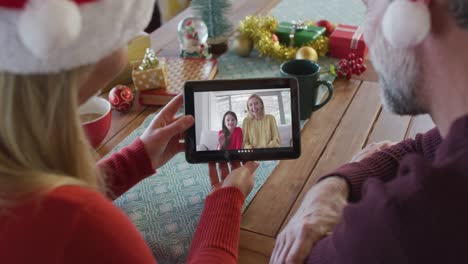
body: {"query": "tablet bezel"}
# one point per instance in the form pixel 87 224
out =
pixel 194 156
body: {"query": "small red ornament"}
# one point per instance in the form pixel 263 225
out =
pixel 352 65
pixel 121 98
pixel 327 25
pixel 274 38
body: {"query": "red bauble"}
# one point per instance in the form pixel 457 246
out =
pixel 327 25
pixel 121 98
pixel 274 38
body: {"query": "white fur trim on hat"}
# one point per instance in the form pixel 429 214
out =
pixel 46 26
pixel 406 23
pixel 106 25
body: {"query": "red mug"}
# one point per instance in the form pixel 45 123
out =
pixel 96 116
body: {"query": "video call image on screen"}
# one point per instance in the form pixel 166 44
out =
pixel 243 119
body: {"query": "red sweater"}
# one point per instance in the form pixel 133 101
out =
pixel 72 224
pixel 412 207
pixel 235 139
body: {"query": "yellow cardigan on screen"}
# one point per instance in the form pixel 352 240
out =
pixel 261 133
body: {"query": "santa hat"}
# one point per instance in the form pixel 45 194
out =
pixel 43 36
pixel 406 23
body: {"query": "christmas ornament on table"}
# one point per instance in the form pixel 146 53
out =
pixel 275 38
pixel 121 98
pixel 262 29
pixel 242 45
pixel 193 35
pixel 298 33
pixel 135 53
pixel 307 53
pixel 349 66
pixel 151 73
pixel 347 39
pixel 213 13
pixel 327 25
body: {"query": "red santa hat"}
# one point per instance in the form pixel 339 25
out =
pixel 406 23
pixel 43 36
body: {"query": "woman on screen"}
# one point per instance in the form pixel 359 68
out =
pixel 230 137
pixel 260 129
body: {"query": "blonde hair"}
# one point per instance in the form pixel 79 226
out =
pixel 42 143
pixel 260 100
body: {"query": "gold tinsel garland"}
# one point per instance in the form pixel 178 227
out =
pixel 261 28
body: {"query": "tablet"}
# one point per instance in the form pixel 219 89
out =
pixel 242 120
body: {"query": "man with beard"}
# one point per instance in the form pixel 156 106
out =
pixel 407 201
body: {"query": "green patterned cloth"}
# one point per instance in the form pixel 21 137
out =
pixel 166 207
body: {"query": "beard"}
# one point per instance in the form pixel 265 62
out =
pixel 399 74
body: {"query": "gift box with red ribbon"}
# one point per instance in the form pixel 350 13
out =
pixel 347 39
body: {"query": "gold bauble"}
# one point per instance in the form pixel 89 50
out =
pixel 307 53
pixel 242 45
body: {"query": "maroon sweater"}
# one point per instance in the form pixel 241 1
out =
pixel 409 204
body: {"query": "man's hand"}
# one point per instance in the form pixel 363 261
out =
pixel 242 177
pixel 161 138
pixel 319 212
pixel 371 149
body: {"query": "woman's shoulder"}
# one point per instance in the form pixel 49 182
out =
pixel 76 197
pixel 88 213
pixel 68 202
pixel 92 207
pixel 270 117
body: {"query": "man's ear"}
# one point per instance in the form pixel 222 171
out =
pixel 406 23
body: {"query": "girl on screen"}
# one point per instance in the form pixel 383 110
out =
pixel 230 137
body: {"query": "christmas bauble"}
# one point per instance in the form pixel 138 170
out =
pixel 242 45
pixel 121 98
pixel 307 53
pixel 192 29
pixel 327 25
pixel 275 38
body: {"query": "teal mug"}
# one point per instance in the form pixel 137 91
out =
pixel 307 74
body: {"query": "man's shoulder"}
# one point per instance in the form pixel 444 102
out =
pixel 419 210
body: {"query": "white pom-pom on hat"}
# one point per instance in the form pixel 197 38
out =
pixel 46 26
pixel 406 23
pixel 57 35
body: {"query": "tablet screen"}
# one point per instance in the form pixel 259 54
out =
pixel 254 119
pixel 243 119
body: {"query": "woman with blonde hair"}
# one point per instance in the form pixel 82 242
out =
pixel 260 129
pixel 54 200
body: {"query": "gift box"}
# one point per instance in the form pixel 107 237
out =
pixel 136 52
pixel 347 39
pixel 150 74
pixel 303 33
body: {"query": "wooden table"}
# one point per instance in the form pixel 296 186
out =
pixel 351 120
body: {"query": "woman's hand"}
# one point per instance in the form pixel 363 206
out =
pixel 161 138
pixel 242 177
